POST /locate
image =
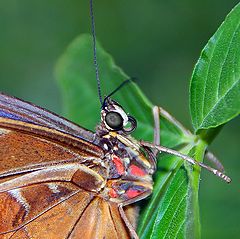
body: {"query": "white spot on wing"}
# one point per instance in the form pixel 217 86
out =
pixel 17 194
pixel 53 187
pixel 3 131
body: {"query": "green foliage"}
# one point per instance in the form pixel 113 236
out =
pixel 172 211
pixel 215 85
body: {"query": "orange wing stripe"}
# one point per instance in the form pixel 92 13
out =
pixel 100 220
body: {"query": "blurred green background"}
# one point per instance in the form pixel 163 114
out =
pixel 157 41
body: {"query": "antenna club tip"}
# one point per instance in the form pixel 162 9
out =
pixel 228 180
pixel 225 178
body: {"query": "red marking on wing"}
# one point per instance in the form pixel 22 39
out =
pixel 112 193
pixel 132 193
pixel 118 164
pixel 136 171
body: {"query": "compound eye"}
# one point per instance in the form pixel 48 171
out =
pixel 114 120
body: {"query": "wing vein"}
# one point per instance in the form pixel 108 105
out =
pixel 74 226
pixel 40 214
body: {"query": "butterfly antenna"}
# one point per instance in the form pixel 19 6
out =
pixel 117 89
pixel 188 159
pixel 95 52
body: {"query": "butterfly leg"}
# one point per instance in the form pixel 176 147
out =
pixel 171 119
pixel 127 222
pixel 188 159
pixel 157 112
pixel 156 118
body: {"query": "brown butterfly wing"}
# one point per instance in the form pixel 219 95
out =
pixel 33 140
pixel 79 216
pixel 19 110
pixel 31 137
pixel 101 219
pixel 42 211
pixel 24 152
pixel 35 204
pixel 20 206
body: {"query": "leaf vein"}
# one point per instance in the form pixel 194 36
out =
pixel 174 215
pixel 164 212
pixel 208 72
pixel 225 57
pixel 218 102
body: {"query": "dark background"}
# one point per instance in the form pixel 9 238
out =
pixel 158 41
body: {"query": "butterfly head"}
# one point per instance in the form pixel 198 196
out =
pixel 114 118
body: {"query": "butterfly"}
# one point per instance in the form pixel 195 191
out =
pixel 59 180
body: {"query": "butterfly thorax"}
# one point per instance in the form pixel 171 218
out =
pixel 129 167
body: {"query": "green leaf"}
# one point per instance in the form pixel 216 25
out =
pixel 215 84
pixel 76 76
pixel 169 218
